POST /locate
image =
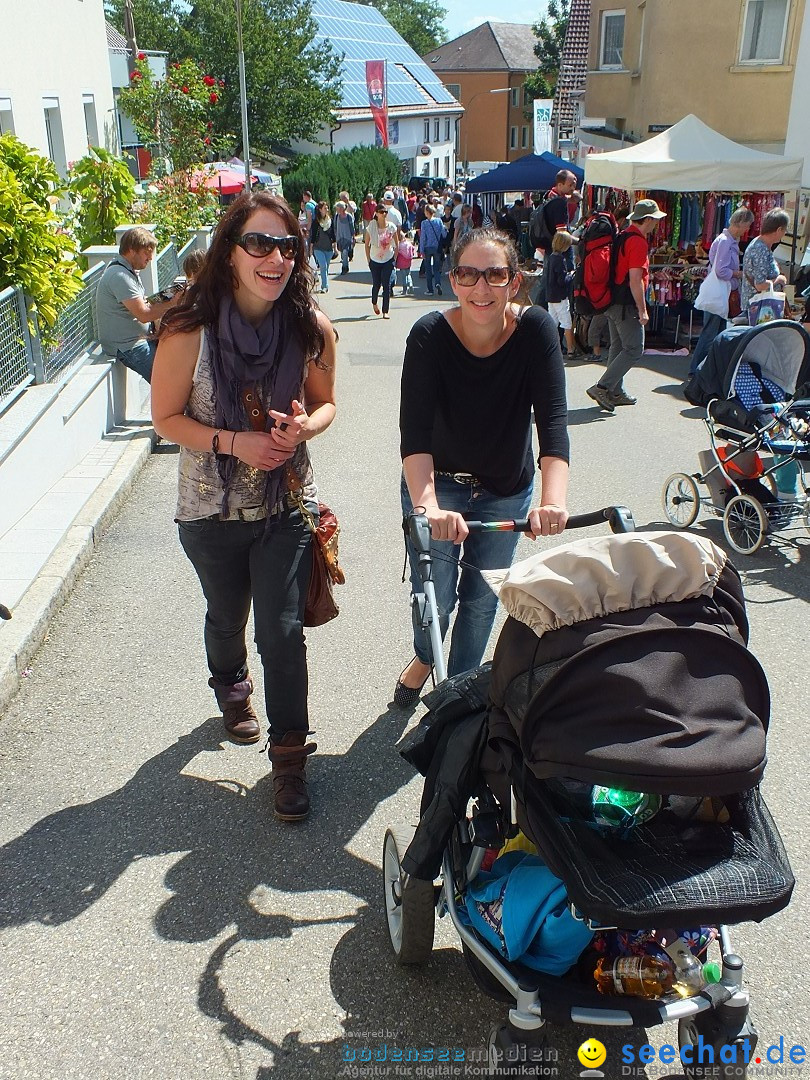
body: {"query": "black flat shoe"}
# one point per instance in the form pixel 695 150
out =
pixel 408 696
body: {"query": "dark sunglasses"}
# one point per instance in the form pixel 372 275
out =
pixel 259 244
pixel 493 275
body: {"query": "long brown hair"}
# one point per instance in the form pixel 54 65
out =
pixel 201 302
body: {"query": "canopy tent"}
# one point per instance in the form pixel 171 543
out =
pixel 691 156
pixel 534 172
pixel 220 177
pixel 268 179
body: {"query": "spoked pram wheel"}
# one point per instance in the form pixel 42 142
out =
pixel 706 1029
pixel 410 903
pixel 681 500
pixel 745 524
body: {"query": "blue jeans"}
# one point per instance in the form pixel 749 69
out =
pixel 239 563
pixel 433 268
pixel 477 603
pixel 140 358
pixel 405 278
pixel 712 326
pixel 323 258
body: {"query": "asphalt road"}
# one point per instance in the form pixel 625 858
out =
pixel 156 920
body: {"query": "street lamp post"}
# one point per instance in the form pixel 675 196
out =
pixel 478 93
pixel 243 95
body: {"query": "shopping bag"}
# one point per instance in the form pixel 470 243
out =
pixel 712 295
pixel 766 306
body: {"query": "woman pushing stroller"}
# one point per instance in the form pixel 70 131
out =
pixel 471 378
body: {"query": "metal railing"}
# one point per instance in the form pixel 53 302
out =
pixel 75 329
pixel 168 266
pixel 16 361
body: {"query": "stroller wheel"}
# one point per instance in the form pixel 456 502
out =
pixel 745 524
pixel 410 903
pixel 707 1029
pixel 510 1054
pixel 681 500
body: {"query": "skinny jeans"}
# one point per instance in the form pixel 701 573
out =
pixel 381 275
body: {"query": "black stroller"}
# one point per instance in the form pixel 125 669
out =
pixel 625 666
pixel 754 387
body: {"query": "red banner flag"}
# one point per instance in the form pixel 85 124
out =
pixel 377 97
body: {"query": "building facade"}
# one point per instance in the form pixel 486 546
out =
pixel 55 89
pixel 486 69
pixel 422 115
pixel 731 62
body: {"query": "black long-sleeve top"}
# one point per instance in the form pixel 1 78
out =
pixel 473 413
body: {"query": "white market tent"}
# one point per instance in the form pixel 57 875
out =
pixel 691 156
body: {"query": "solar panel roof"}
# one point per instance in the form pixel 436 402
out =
pixel 361 33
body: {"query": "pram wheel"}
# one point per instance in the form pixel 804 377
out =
pixel 681 500
pixel 410 903
pixel 745 524
pixel 509 1053
pixel 708 1029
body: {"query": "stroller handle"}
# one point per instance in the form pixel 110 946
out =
pixel 619 518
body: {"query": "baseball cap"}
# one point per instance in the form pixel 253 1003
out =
pixel 645 208
pixel 388 195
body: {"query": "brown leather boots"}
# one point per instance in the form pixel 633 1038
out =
pixel 289 759
pixel 238 714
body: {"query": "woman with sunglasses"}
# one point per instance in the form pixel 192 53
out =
pixel 472 376
pixel 382 240
pixel 244 378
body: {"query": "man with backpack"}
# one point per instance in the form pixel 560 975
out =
pixel 627 314
pixel 549 217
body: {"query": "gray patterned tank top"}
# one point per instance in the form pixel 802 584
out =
pixel 200 490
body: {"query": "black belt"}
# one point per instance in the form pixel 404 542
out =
pixel 459 477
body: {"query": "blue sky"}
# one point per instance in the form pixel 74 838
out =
pixel 463 15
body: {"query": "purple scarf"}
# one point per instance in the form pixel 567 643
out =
pixel 267 357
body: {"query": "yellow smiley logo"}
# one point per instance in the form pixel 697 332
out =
pixel 592 1054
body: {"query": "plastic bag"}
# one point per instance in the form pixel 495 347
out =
pixel 766 306
pixel 712 296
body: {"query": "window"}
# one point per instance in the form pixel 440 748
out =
pixel 447 131
pixel 447 165
pixel 515 97
pixel 6 116
pixel 426 132
pixel 90 123
pixel 435 130
pixel 611 46
pixel 526 98
pixel 764 31
pixel 524 137
pixel 435 166
pixel 454 88
pixel 512 138
pixel 53 132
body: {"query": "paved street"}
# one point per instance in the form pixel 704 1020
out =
pixel 156 920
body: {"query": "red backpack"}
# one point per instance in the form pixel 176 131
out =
pixel 594 286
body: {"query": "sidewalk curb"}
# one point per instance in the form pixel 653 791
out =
pixel 48 592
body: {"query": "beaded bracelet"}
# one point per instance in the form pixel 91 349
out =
pixel 215 441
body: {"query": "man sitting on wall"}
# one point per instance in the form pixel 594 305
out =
pixel 122 310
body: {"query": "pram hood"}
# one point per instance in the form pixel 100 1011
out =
pixel 593 577
pixel 781 349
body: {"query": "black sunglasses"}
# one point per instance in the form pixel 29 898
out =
pixel 259 244
pixel 493 275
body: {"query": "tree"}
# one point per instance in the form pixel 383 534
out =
pixel 292 84
pixel 420 22
pixel 548 49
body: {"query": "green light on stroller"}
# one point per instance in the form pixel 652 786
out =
pixel 622 811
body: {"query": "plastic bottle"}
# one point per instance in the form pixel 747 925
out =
pixel 634 976
pixel 689 977
pixel 622 810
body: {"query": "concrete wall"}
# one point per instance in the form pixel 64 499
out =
pixel 684 57
pixel 58 52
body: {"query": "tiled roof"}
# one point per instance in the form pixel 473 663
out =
pixel 115 41
pixel 492 46
pixel 573 67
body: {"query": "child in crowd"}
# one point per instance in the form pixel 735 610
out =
pixel 405 254
pixel 558 282
pixel 192 264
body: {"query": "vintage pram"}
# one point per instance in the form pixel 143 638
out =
pixel 753 385
pixel 623 662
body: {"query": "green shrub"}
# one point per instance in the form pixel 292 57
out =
pixel 35 254
pixel 361 169
pixel 102 190
pixel 174 207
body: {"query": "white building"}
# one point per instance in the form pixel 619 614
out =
pixel 134 152
pixel 422 115
pixel 55 89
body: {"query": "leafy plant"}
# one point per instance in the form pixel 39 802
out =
pixel 174 206
pixel 175 117
pixel 35 254
pixel 361 169
pixel 420 22
pixel 548 49
pixel 102 190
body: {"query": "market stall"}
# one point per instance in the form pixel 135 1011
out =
pixel 698 177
